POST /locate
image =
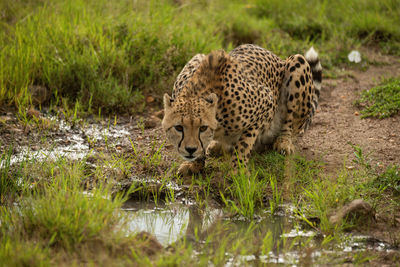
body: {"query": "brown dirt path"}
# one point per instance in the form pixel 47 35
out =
pixel 338 123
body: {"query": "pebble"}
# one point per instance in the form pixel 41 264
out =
pixel 151 122
pixel 33 113
pixel 160 114
pixel 5 118
pixel 357 208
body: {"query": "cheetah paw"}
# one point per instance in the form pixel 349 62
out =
pixel 214 149
pixel 188 168
pixel 284 145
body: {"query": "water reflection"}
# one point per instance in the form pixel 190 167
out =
pixel 166 223
pixel 212 229
pixel 172 222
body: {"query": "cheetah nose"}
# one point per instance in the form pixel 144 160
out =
pixel 190 150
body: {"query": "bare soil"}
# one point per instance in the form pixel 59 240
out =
pixel 338 123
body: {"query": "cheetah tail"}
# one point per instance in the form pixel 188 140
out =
pixel 316 69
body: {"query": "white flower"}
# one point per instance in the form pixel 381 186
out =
pixel 354 56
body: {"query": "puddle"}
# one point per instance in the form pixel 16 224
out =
pixel 167 222
pixel 173 222
pixel 73 142
pixel 363 242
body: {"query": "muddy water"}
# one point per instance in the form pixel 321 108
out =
pixel 167 223
pixel 72 142
pixel 173 222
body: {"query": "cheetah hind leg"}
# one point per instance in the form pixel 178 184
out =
pixel 284 145
pixel 295 109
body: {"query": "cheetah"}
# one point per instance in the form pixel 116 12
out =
pixel 244 101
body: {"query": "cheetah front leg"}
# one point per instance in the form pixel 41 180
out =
pixel 283 143
pixel 244 147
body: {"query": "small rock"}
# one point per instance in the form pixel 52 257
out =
pixel 66 142
pixel 148 243
pixel 356 113
pixel 40 94
pixel 356 209
pixel 46 123
pixel 33 113
pixel 159 114
pixel 151 122
pixel 16 130
pixel 5 119
pixel 149 99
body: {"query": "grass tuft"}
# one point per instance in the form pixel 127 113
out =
pixel 389 180
pixel 9 185
pixel 58 216
pixel 245 194
pixel 382 101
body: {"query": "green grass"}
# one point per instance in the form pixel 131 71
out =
pixel 66 215
pixel 381 101
pixel 56 217
pixel 389 180
pixel 245 192
pixel 326 194
pixel 9 185
pixel 108 56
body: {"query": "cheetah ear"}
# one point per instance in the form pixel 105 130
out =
pixel 167 101
pixel 212 99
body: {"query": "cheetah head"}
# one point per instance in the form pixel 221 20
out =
pixel 190 122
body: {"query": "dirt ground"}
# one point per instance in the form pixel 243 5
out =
pixel 336 125
pixel 338 122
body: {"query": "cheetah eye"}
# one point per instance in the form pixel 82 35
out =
pixel 203 128
pixel 179 128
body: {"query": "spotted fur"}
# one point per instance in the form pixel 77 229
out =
pixel 241 101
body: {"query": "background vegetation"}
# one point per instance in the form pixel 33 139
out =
pixel 87 56
pixel 109 54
